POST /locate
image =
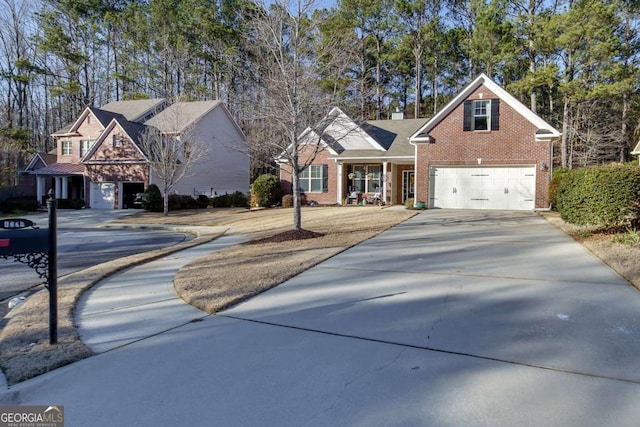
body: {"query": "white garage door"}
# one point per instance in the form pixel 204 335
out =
pixel 508 188
pixel 102 195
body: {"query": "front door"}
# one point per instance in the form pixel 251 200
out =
pixel 408 185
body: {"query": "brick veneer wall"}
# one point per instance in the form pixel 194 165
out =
pixel 322 158
pixel 89 129
pixel 513 144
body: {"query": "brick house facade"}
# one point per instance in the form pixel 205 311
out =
pixel 509 159
pixel 483 150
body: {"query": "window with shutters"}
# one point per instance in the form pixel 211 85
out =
pixel 482 114
pixel 314 179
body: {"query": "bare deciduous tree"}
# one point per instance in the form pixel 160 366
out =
pixel 289 100
pixel 172 151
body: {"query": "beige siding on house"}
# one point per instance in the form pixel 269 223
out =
pixel 225 166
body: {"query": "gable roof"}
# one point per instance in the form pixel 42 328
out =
pixel 637 149
pixel 44 158
pixel 136 110
pixel 392 134
pixel 179 116
pixel 104 117
pixel 545 130
pixel 133 130
pixel 344 138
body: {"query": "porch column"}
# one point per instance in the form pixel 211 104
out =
pixel 40 188
pixel 65 187
pixel 385 178
pixel 339 183
pixel 58 182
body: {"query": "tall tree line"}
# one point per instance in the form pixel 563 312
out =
pixel 574 62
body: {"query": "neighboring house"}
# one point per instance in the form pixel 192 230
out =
pixel 99 158
pixel 28 180
pixel 483 150
pixel 636 151
pixel 225 167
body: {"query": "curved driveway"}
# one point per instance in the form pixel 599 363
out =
pixel 451 318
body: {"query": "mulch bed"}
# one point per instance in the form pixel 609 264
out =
pixel 286 236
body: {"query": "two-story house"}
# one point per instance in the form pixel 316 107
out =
pixel 100 157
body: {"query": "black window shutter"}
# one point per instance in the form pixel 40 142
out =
pixel 495 114
pixel 325 178
pixel 468 110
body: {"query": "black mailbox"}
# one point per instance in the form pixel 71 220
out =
pixel 15 242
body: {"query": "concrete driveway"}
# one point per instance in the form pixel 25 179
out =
pixel 451 318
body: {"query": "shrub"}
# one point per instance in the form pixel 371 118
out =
pixel 409 204
pixel 203 201
pixel 287 200
pixel 603 196
pixel 222 201
pixel 19 204
pixel 182 201
pixel 266 190
pixel 235 200
pixel 70 204
pixel 558 175
pixel 152 199
pixel 238 200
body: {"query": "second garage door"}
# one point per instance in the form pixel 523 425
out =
pixel 102 195
pixel 508 187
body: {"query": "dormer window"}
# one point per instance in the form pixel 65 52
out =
pixel 481 114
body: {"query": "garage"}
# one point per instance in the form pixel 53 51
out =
pixel 482 187
pixel 102 195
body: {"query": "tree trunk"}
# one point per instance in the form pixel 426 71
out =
pixel 565 128
pixel 625 127
pixel 417 55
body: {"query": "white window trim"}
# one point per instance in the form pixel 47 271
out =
pixel 67 144
pixel 309 179
pixel 85 146
pixel 487 115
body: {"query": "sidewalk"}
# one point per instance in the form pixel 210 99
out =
pixel 140 302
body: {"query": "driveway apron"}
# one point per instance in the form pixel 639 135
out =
pixel 452 318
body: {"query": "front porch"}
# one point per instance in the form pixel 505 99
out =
pixel 384 183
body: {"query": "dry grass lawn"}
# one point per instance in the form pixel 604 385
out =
pixel 623 258
pixel 276 255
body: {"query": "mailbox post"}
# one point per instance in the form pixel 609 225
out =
pixel 52 205
pixel 21 240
